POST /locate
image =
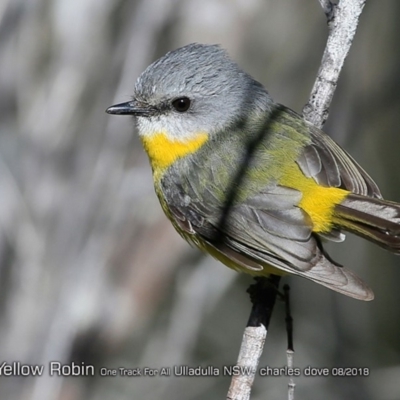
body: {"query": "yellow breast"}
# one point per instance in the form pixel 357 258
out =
pixel 163 150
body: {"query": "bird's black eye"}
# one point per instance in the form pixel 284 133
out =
pixel 181 104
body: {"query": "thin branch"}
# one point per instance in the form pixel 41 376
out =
pixel 342 21
pixel 291 384
pixel 290 347
pixel 263 295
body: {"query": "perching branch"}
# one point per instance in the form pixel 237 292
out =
pixel 263 295
pixel 290 347
pixel 342 22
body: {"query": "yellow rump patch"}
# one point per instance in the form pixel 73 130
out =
pixel 318 201
pixel 163 151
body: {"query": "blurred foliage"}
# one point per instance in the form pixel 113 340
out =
pixel 90 269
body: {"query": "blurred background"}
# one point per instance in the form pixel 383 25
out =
pixel 91 270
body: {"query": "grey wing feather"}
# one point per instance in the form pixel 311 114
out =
pixel 330 165
pixel 275 211
pixel 320 164
pixel 251 247
pixel 253 238
pixel 320 269
pixel 310 162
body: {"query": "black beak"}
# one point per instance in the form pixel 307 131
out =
pixel 129 108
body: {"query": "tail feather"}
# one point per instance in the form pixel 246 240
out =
pixel 374 219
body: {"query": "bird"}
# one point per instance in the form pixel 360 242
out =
pixel 248 180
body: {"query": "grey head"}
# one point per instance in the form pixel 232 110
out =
pixel 196 88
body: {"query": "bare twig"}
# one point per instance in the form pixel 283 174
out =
pixel 291 384
pixel 290 348
pixel 263 295
pixel 342 21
